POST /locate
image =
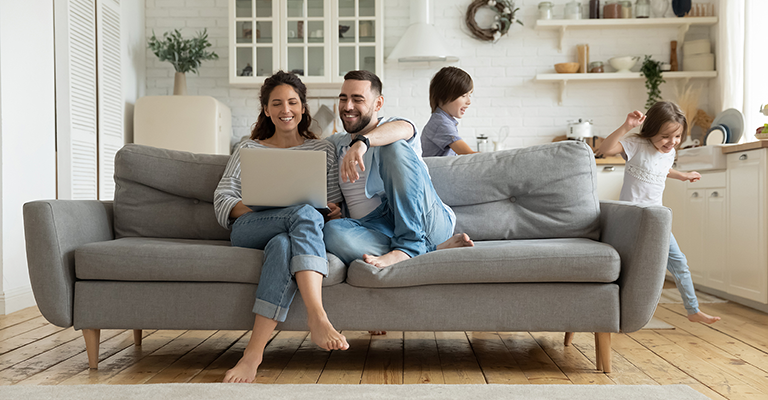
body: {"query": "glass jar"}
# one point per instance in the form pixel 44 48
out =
pixel 545 10
pixel 612 9
pixel 642 9
pixel 573 10
pixel 626 9
pixel 596 67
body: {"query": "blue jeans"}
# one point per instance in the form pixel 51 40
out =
pixel 411 217
pixel 292 240
pixel 677 264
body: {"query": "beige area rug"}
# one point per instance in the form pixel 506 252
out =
pixel 200 391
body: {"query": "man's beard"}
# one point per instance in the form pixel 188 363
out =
pixel 364 121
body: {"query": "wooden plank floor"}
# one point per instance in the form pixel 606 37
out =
pixel 728 360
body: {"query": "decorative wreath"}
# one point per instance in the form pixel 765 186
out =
pixel 505 17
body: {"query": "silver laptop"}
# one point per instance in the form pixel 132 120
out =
pixel 273 178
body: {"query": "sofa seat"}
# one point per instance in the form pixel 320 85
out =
pixel 178 260
pixel 498 261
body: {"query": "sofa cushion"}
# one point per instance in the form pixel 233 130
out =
pixel 166 193
pixel 546 191
pixel 508 261
pixel 178 260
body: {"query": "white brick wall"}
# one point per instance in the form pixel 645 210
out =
pixel 506 93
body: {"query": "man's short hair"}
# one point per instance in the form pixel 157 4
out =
pixel 447 85
pixel 363 75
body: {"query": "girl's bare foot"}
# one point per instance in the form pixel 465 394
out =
pixel 457 240
pixel 701 317
pixel 393 257
pixel 245 370
pixel 325 335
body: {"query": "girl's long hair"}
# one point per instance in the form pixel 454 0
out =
pixel 264 128
pixel 658 115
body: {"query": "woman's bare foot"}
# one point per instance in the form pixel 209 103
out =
pixel 245 370
pixel 325 335
pixel 393 257
pixel 457 240
pixel 701 317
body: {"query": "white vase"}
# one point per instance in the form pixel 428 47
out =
pixel 659 8
pixel 180 84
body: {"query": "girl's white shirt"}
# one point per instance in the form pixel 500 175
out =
pixel 645 172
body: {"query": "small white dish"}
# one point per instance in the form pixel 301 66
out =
pixel 623 64
pixel 716 135
pixel 734 120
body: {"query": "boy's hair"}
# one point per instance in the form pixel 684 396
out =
pixel 447 85
pixel 658 115
pixel 363 75
pixel 264 128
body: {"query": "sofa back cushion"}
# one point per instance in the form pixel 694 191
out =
pixel 546 191
pixel 166 193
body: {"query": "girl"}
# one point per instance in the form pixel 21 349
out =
pixel 449 97
pixel 650 156
pixel 291 237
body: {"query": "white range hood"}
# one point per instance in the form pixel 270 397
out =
pixel 421 42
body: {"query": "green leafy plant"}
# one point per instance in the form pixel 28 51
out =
pixel 651 70
pixel 186 55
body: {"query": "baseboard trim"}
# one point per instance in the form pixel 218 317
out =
pixel 16 299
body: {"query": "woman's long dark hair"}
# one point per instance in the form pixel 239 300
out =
pixel 264 128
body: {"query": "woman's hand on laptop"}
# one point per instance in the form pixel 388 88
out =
pixel 335 211
pixel 351 161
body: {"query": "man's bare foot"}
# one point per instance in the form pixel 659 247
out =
pixel 701 317
pixel 457 240
pixel 393 257
pixel 325 335
pixel 377 333
pixel 245 370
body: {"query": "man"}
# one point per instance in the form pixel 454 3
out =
pixel 395 212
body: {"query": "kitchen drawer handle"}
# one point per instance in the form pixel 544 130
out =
pixel 743 157
pixel 695 194
pixel 714 194
pixel 609 168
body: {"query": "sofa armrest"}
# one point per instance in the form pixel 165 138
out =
pixel 641 236
pixel 53 229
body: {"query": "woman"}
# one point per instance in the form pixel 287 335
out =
pixel 291 237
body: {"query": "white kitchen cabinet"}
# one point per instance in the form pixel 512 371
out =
pixel 747 272
pixel 721 225
pixel 609 181
pixel 699 225
pixel 319 40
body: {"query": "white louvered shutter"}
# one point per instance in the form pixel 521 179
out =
pixel 110 123
pixel 76 138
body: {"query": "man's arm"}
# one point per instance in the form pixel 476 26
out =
pixel 382 135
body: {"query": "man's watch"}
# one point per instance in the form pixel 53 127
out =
pixel 361 138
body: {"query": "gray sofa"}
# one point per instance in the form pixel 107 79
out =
pixel 549 255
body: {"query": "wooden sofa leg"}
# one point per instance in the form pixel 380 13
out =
pixel 603 351
pixel 91 337
pixel 137 337
pixel 568 338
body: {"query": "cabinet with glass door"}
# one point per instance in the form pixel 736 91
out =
pixel 319 40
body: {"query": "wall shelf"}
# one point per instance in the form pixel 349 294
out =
pixel 609 76
pixel 682 24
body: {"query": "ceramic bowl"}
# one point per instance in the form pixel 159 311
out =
pixel 567 68
pixel 623 64
pixel 761 136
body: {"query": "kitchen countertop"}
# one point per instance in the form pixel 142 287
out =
pixel 613 160
pixel 735 148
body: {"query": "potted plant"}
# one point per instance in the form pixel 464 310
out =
pixel 185 55
pixel 651 70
